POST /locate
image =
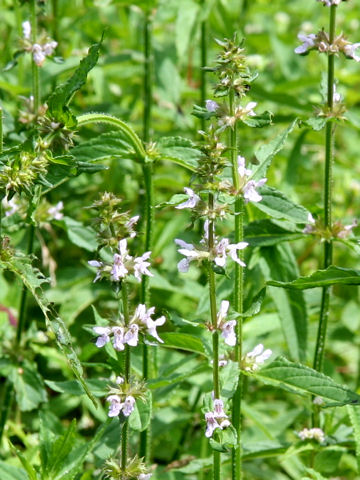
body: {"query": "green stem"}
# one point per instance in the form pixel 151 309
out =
pixel 89 118
pixel 1 131
pixel 18 18
pixel 127 366
pixel 203 46
pixel 215 335
pixel 329 158
pixel 35 68
pixel 238 297
pixel 5 405
pixel 145 436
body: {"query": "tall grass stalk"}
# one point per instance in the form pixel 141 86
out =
pixel 329 158
pixel 145 436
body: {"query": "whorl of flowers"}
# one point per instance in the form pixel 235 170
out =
pixel 135 470
pixel 321 42
pixel 217 418
pixel 252 360
pixel 121 335
pixel 337 230
pixel 42 48
pixel 312 434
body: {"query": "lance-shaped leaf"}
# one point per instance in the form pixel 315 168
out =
pixel 322 278
pixel 265 153
pixel 277 205
pixel 58 101
pixel 266 232
pixel 33 280
pixel 300 379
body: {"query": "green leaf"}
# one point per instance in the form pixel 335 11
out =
pixel 58 101
pixel 61 448
pixel 9 472
pixel 266 233
pixel 140 418
pixel 185 20
pixel 354 415
pixel 25 463
pixel 101 147
pixel 322 278
pixel 180 151
pixel 299 379
pixel 79 234
pixel 266 153
pixel 277 205
pixel 316 123
pixel 327 460
pixel 260 120
pixel 183 341
pixel 28 386
pixel 279 263
pixel 32 279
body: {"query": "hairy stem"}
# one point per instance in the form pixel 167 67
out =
pixel 237 297
pixel 329 158
pixel 34 67
pixel 145 436
pixel 203 47
pixel 215 335
pixel 127 365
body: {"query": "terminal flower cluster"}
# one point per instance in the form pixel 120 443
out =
pixel 216 418
pixel 45 47
pixel 123 264
pixel 141 322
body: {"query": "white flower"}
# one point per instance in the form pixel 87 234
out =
pixel 38 54
pixel 318 401
pixel 224 307
pixel 145 318
pixel 144 476
pixel 55 211
pixel 115 405
pixel 10 206
pixel 310 227
pixel 211 424
pixel 118 341
pixel 140 266
pixel 119 380
pixel 256 357
pixel 104 337
pixel 211 106
pixel 308 43
pixel 223 248
pixel 312 433
pixel 99 266
pixel 151 326
pixel 350 51
pixel 191 202
pixel 48 48
pixel 130 224
pixel 248 110
pixel 26 27
pixel 328 3
pixel 131 337
pixel 243 171
pixel 228 333
pixel 336 96
pixel 128 406
pixel 189 251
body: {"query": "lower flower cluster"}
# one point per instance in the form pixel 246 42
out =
pixel 216 418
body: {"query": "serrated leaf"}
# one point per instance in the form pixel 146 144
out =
pixel 58 101
pixel 300 379
pixel 265 153
pixel 140 418
pixel 277 205
pixel 33 279
pixel 259 120
pixel 180 151
pixel 101 147
pixel 267 233
pixel 322 278
pixel 279 263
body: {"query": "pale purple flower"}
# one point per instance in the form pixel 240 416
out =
pixel 118 341
pixel 140 266
pixel 243 171
pixel 350 51
pixel 192 201
pixel 310 227
pixel 115 405
pixel 211 424
pixel 249 109
pixel 144 476
pixel 145 318
pixel 328 3
pixel 219 408
pixel 228 332
pixel 130 224
pixel 346 230
pixel 131 336
pixel 249 190
pixel 99 266
pixel 223 248
pixel 55 211
pixel 151 327
pixel 224 307
pixel 308 43
pixel 119 270
pixel 26 27
pixel 104 335
pixel 128 405
pixel 49 47
pixel 119 380
pixel 189 251
pixel 211 106
pixel 38 54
